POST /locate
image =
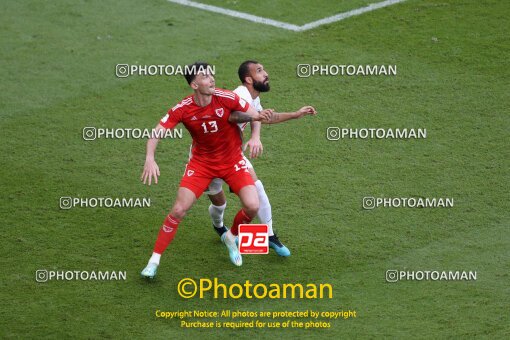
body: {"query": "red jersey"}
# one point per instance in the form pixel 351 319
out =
pixel 217 143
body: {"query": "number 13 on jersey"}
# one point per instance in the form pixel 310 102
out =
pixel 210 127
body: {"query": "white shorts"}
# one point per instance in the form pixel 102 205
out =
pixel 216 184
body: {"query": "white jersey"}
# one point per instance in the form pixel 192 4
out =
pixel 242 91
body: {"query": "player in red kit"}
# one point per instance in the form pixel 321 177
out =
pixel 211 116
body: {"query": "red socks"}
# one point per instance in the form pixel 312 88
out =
pixel 241 218
pixel 166 234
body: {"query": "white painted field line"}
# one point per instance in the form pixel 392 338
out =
pixel 284 25
pixel 349 14
pixel 236 14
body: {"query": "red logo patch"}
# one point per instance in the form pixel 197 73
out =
pixel 253 239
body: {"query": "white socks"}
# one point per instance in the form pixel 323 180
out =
pixel 155 258
pixel 216 213
pixel 264 213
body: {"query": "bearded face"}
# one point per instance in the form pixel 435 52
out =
pixel 262 86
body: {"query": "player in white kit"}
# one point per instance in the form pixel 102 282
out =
pixel 254 80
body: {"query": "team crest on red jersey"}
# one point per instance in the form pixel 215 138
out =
pixel 219 112
pixel 190 172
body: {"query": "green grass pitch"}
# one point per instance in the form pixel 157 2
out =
pixel 57 77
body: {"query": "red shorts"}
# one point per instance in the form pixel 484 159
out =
pixel 197 176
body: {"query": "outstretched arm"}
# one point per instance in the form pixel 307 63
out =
pixel 280 117
pixel 251 115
